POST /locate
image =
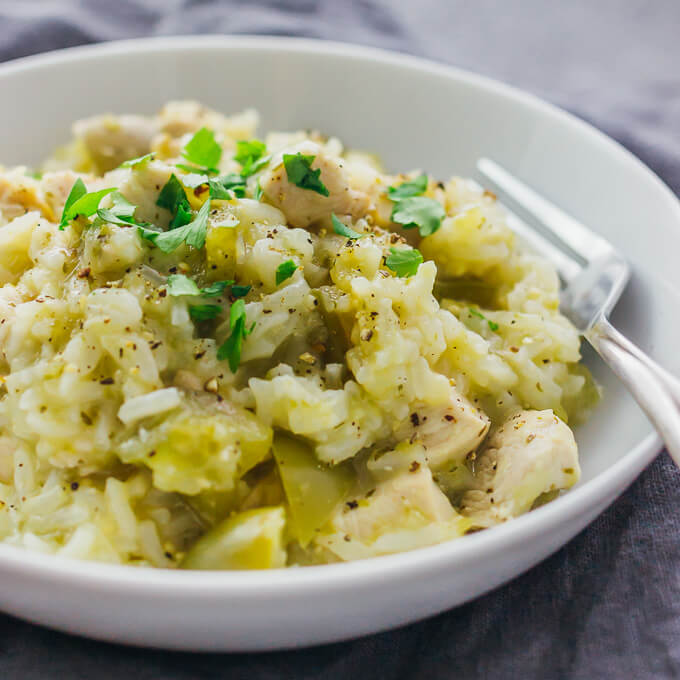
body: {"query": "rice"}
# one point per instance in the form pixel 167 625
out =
pixel 225 403
pixel 147 405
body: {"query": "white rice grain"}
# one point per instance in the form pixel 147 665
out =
pixel 149 404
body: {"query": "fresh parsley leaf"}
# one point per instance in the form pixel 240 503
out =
pixel 343 229
pixel 193 168
pixel 148 234
pixel 223 188
pixel 121 212
pixel 193 233
pixel 237 311
pixel 414 210
pixel 299 171
pixel 404 262
pixel 284 271
pixel 228 186
pixel 108 216
pixel 178 284
pixel 194 179
pixel 414 187
pixel 216 288
pixel 182 217
pixel 167 241
pixel 137 162
pixel 232 180
pixel 419 211
pixel 87 205
pixel 257 194
pixel 249 150
pixel 197 229
pixel 35 174
pixel 231 348
pixel 120 206
pixel 172 195
pixel 251 155
pixel 173 198
pixel 78 190
pixel 203 150
pixel 240 291
pixel 204 312
pixel 474 312
pixel 79 203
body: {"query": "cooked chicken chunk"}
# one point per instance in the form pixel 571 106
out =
pixel 56 186
pixel 141 188
pixel 178 118
pixel 397 503
pixel 110 140
pixel 20 194
pixel 447 433
pixel 304 206
pixel 15 244
pixel 531 454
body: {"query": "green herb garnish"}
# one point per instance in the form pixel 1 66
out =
pixel 232 182
pixel 178 284
pixel 173 198
pixel 79 202
pixel 137 162
pixel 203 151
pixel 193 233
pixel 172 195
pixel 216 288
pixel 193 168
pixel 204 312
pixel 404 262
pixel 78 190
pixel 240 291
pixel 223 188
pixel 414 187
pixel 121 212
pixel 194 179
pixel 419 211
pixel 412 209
pixel 299 171
pixel 343 229
pixel 120 206
pixel 284 271
pixel 257 194
pixel 492 324
pixel 182 216
pixel 231 348
pixel 251 154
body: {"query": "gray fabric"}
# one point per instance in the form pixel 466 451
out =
pixel 608 604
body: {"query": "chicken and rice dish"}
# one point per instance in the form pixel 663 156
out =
pixel 225 352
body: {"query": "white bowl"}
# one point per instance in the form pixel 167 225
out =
pixel 414 114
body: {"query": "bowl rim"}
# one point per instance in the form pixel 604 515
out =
pixel 468 549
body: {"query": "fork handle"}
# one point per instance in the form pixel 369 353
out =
pixel 655 389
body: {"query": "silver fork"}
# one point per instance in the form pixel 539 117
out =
pixel 593 275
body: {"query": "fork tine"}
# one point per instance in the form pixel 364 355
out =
pixel 564 229
pixel 566 267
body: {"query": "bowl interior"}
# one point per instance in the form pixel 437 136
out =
pixel 413 116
